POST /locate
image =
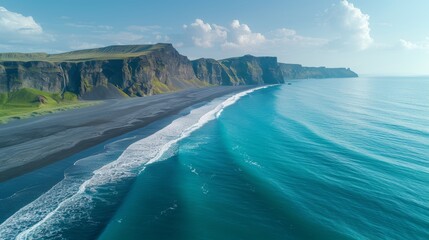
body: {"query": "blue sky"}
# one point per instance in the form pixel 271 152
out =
pixel 383 37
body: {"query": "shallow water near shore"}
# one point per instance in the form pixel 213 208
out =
pixel 317 159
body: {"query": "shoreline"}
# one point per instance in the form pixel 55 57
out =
pixel 40 141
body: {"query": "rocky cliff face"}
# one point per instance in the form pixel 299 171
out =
pixel 246 70
pixel 213 72
pixel 253 70
pixel 140 70
pixel 296 71
pixel 160 70
pixel 41 75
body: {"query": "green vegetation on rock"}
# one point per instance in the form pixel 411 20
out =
pixel 27 102
pixel 28 97
pixel 159 87
pixel 69 97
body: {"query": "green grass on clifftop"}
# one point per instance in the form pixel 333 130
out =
pixel 105 53
pixel 28 102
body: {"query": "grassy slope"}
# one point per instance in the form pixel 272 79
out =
pixel 25 103
pixel 105 53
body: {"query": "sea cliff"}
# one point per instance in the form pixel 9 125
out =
pixel 141 70
pixel 246 70
pixel 135 71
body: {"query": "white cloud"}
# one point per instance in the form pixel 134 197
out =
pixel 206 35
pixel 351 25
pixel 421 45
pixel 15 28
pixel 15 22
pixel 237 35
pixel 242 37
pixel 238 38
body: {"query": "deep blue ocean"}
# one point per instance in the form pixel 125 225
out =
pixel 316 159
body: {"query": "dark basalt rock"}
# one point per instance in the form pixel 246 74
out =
pixel 246 70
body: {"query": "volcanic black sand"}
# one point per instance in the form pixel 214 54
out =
pixel 28 144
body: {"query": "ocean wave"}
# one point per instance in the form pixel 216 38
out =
pixel 72 199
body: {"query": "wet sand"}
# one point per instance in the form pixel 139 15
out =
pixel 26 145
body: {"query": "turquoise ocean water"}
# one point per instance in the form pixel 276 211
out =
pixel 317 159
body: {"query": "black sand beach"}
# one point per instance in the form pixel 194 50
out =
pixel 29 144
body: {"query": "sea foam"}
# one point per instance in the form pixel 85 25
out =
pixel 72 199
